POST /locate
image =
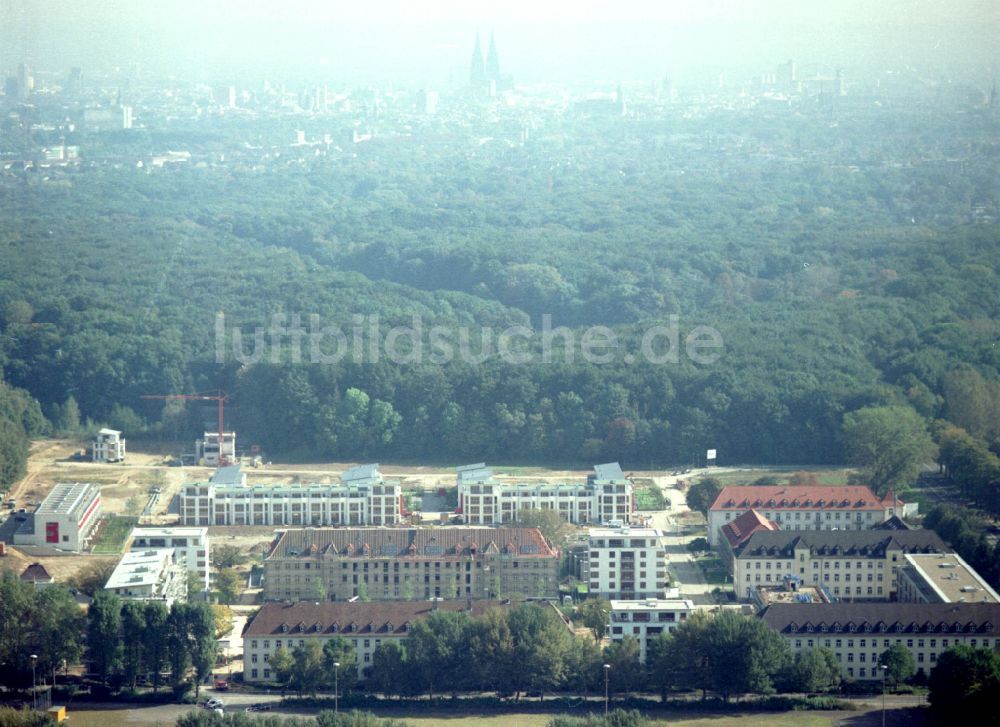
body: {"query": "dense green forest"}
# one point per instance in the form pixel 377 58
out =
pixel 846 262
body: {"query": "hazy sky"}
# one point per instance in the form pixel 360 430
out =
pixel 430 41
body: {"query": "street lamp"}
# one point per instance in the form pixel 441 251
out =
pixel 883 668
pixel 34 694
pixel 336 686
pixel 607 671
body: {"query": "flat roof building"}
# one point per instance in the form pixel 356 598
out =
pixel 942 578
pixel 66 518
pixel 362 498
pixel 149 575
pixel 108 446
pixel 606 496
pixel 645 620
pixel 190 546
pixel 626 563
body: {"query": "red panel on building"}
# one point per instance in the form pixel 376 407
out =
pixel 51 532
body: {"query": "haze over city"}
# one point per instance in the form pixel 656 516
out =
pixel 427 43
pixel 531 363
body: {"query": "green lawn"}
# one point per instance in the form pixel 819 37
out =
pixel 114 529
pixel 648 496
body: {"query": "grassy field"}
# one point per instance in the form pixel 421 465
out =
pixel 715 572
pixel 648 496
pixel 126 718
pixel 114 530
pixel 784 477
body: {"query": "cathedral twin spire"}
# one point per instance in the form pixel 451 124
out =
pixel 480 72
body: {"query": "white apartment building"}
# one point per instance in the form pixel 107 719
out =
pixel 362 498
pixel 848 507
pixel 606 497
pixel 66 518
pixel 848 564
pixel 367 625
pixel 942 578
pixel 858 633
pixel 207 448
pixel 149 575
pixel 109 446
pixel 645 620
pixel 190 546
pixel 626 563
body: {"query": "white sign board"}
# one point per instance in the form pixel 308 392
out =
pixel 710 454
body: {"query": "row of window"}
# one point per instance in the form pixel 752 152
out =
pixel 918 643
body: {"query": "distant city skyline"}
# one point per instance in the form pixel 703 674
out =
pixel 391 41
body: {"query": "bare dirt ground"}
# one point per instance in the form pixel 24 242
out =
pixel 61 567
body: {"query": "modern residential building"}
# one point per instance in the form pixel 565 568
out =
pixel 109 446
pixel 149 575
pixel 606 497
pixel 362 498
pixel 387 564
pixel 207 449
pixel 367 625
pixel 848 507
pixel 66 518
pixel 645 620
pixel 942 578
pixel 190 546
pixel 858 633
pixel 626 563
pixel 849 564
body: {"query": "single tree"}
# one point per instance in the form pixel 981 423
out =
pixel 229 583
pixel 899 662
pixel 227 556
pixel 702 494
pixel 104 634
pixel 889 443
pixel 593 613
pixel 388 671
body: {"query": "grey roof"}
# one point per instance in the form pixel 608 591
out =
pixel 893 523
pixel 470 473
pixel 231 475
pixel 609 471
pixel 881 617
pixel 69 498
pixel 353 617
pixel 364 472
pixel 36 572
pixel 860 543
pixel 378 542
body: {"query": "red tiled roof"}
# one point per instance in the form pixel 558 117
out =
pixel 352 617
pixel 739 530
pixel 789 497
